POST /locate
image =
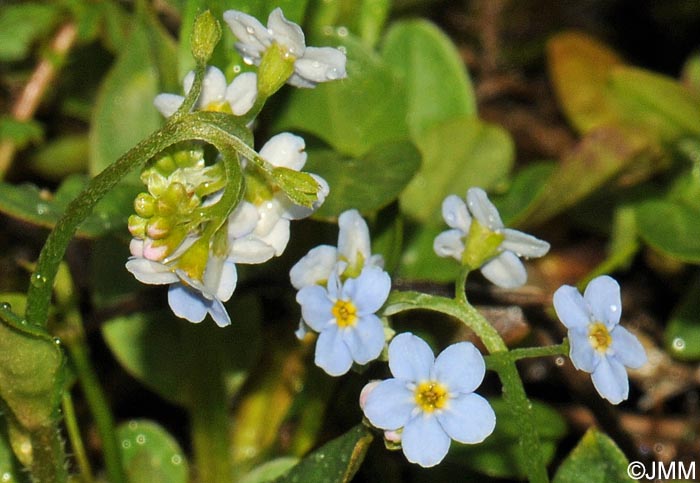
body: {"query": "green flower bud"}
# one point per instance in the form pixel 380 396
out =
pixel 137 226
pixel 205 35
pixel 276 66
pixel 300 187
pixel 481 245
pixel 144 205
pixel 159 227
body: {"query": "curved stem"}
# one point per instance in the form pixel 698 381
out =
pixel 48 455
pixel 529 352
pixel 76 441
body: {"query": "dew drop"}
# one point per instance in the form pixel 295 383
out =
pixel 679 343
pixel 327 30
pixel 141 439
pixel 133 425
pixel 342 49
pixel 559 361
pixel 6 306
pixel 42 208
pixel 343 31
pixel 614 308
pixel 250 30
pixel 126 444
pixel 659 448
pixel 236 69
pixel 6 477
pixel 38 280
pixel 176 459
pixel 248 60
pixel 57 341
pixel 332 74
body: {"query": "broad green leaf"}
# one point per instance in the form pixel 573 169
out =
pixel 428 62
pixel 419 261
pixel 31 204
pixel 580 67
pixel 367 183
pixel 364 18
pixel 334 462
pixel 150 454
pixel 682 333
pixel 596 459
pixel 23 24
pixel 124 112
pixel 691 75
pixel 57 159
pixel 163 351
pixel 31 369
pixel 354 114
pixel 457 154
pixel 270 470
pixel 670 227
pixel 498 456
pixel 526 185
pixel 623 246
pixel 20 133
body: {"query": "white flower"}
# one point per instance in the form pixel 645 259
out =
pixel 354 250
pixel 503 268
pixel 598 344
pixel 240 95
pixel 312 64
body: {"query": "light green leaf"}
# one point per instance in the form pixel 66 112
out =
pixel 682 333
pixel 367 183
pixel 23 24
pixel 334 462
pixel 270 470
pixel 526 185
pixel 457 154
pixel 57 159
pixel 150 454
pixel 419 261
pixel 20 133
pixel 596 459
pixel 437 85
pixel 670 227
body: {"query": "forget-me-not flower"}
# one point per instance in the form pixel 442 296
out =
pixel 598 344
pixel 472 224
pixel 311 64
pixel 432 399
pixel 344 316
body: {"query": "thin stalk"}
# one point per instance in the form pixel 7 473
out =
pixel 529 352
pixel 76 441
pixel 48 455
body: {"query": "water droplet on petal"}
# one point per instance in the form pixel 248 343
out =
pixel 248 60
pixel 250 30
pixel 342 49
pixel 613 308
pixel 332 74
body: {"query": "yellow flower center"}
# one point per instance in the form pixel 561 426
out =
pixel 599 336
pixel 222 106
pixel 430 396
pixel 345 313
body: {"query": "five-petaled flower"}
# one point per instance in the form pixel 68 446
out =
pixel 598 344
pixel 344 316
pixel 311 64
pixel 431 399
pixel 479 239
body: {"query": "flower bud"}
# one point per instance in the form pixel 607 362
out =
pixel 205 35
pixel 276 66
pixel 144 205
pixel 137 226
pixel 159 227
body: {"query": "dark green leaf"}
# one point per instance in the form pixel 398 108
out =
pixel 526 186
pixel 57 159
pixel 428 62
pixel 335 462
pixel 682 334
pixel 671 228
pixel 367 183
pixel 20 133
pixel 419 261
pixel 457 154
pixel 270 470
pixel 498 455
pixel 150 454
pixel 596 459
pixel 23 24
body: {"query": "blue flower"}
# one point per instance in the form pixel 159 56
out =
pixel 598 344
pixel 433 400
pixel 344 316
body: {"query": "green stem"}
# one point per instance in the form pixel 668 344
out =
pixel 48 455
pixel 76 441
pixel 528 352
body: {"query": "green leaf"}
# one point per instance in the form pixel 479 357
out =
pixel 23 24
pixel 20 133
pixel 498 456
pixel 367 183
pixel 163 351
pixel 682 333
pixel 10 468
pixel 150 454
pixel 596 459
pixel 62 157
pixel 334 462
pixel 457 154
pixel 419 261
pixel 354 114
pixel 31 369
pixel 428 62
pixel 124 112
pixel 526 185
pixel 670 227
pixel 270 470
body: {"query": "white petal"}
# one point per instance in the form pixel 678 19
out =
pixel 610 380
pixel 455 213
pixel 243 220
pixel 506 270
pixel 449 244
pixel 186 303
pixel 228 277
pixel 278 237
pixel 571 308
pixel 314 268
pixel 150 272
pixel 250 250
pixel 424 441
pixel 285 150
pixel 286 33
pixel 468 418
pixel 242 93
pixel 298 81
pixel 213 87
pixel 252 34
pixel 460 367
pixel 603 298
pixel 167 104
pixel 410 358
pixel 483 210
pixel 627 349
pixel 524 245
pixel 353 237
pixel 321 64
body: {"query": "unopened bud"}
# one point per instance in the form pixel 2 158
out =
pixel 159 227
pixel 205 35
pixel 137 226
pixel 144 205
pixel 276 67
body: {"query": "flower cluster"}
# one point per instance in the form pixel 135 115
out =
pixel 478 239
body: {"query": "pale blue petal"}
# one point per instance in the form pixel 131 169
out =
pixel 455 213
pixel 483 210
pixel 389 405
pixel 449 243
pixel 369 291
pixel 506 270
pixel 303 329
pixel 603 298
pixel 186 303
pixel 571 308
pixel 424 441
pixel 524 245
pixel 218 313
pixel 610 380
pixel 468 418
pixel 460 367
pixel 315 307
pixel 150 272
pixel 627 349
pixel 410 358
pixel 366 339
pixel 582 354
pixel 332 354
pixel 315 267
